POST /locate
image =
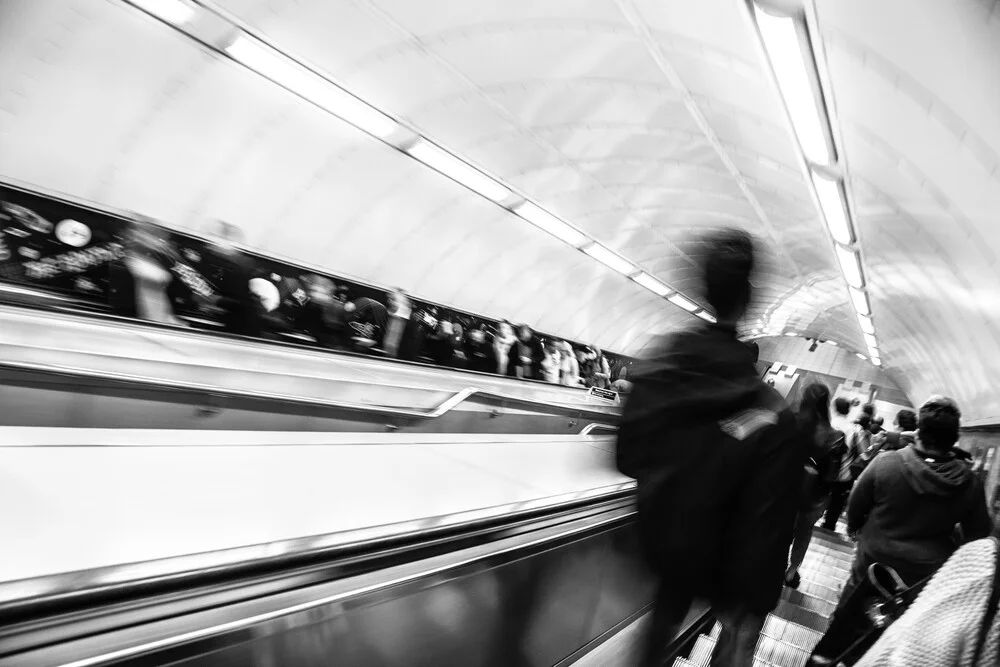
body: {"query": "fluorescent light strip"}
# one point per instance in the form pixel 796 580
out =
pixel 547 222
pixel 861 356
pixel 783 48
pixel 850 263
pixel 458 170
pixel 707 316
pixel 652 284
pixel 174 12
pixel 610 259
pixel 866 324
pixel 308 85
pixel 870 340
pixel 833 205
pixel 860 300
pixel 683 302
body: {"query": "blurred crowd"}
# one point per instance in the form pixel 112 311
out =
pixel 139 269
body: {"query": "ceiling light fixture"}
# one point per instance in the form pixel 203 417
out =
pixel 707 316
pixel 834 207
pixel 610 259
pixel 851 266
pixel 861 356
pixel 308 85
pixel 683 302
pixel 652 284
pixel 457 169
pixel 860 300
pixel 545 221
pixel 780 37
pixel 866 324
pixel 175 12
pixel 870 340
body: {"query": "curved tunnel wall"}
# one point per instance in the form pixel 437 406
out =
pixel 593 109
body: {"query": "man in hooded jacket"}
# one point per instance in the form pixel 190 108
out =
pixel 718 469
pixel 903 509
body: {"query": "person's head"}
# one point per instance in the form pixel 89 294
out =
pixel 814 407
pixel 938 422
pixel 524 333
pixel 877 423
pixel 726 270
pixel 869 410
pixel 505 329
pixel 906 420
pixel 863 420
pixel 842 406
pixel 552 347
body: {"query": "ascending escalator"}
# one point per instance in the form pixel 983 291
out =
pixel 538 587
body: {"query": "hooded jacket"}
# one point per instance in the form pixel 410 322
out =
pixel 906 504
pixel 714 451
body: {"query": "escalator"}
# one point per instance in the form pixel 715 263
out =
pixel 61 370
pixel 541 586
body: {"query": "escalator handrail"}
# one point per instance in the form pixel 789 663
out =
pixel 436 412
pixel 48 590
pixel 423 573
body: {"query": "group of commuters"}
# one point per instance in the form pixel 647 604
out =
pixel 156 278
pixel 732 480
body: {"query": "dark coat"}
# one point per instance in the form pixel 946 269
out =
pixel 719 466
pixel 905 506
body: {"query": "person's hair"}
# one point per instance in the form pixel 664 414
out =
pixel 938 423
pixel 754 350
pixel 907 420
pixel 842 406
pixel 864 420
pixel 868 409
pixel 728 265
pixel 814 409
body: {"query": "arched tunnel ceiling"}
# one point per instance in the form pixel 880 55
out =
pixel 589 107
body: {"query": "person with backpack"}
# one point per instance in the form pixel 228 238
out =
pixel 840 489
pixel 903 511
pixel 718 467
pixel 825 446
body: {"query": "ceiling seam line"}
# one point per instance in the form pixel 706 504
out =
pixel 643 32
pixel 371 7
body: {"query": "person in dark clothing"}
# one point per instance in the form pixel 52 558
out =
pixel 231 271
pixel 479 351
pixel 526 354
pixel 876 426
pixel 825 446
pixel 368 320
pixel 903 510
pixel 718 467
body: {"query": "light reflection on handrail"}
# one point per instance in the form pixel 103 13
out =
pixel 183 385
pixel 75 584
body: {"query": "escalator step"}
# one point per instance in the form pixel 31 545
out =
pixel 702 651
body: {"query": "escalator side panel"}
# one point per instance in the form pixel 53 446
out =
pixel 534 609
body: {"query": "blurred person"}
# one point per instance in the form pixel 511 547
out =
pixel 141 283
pixel 525 354
pixel 954 622
pixel 367 320
pixel 552 361
pixel 502 343
pixel 903 512
pixel 824 445
pixel 399 312
pixel 479 350
pixel 877 423
pixel 458 358
pixel 718 466
pixel 241 311
pixel 323 316
pixel 599 372
pixel 569 372
pixel 440 343
pixel 841 489
pixel 622 385
pixel 904 435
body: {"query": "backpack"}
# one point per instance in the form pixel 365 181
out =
pixel 828 466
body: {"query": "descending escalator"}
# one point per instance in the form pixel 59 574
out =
pixel 539 587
